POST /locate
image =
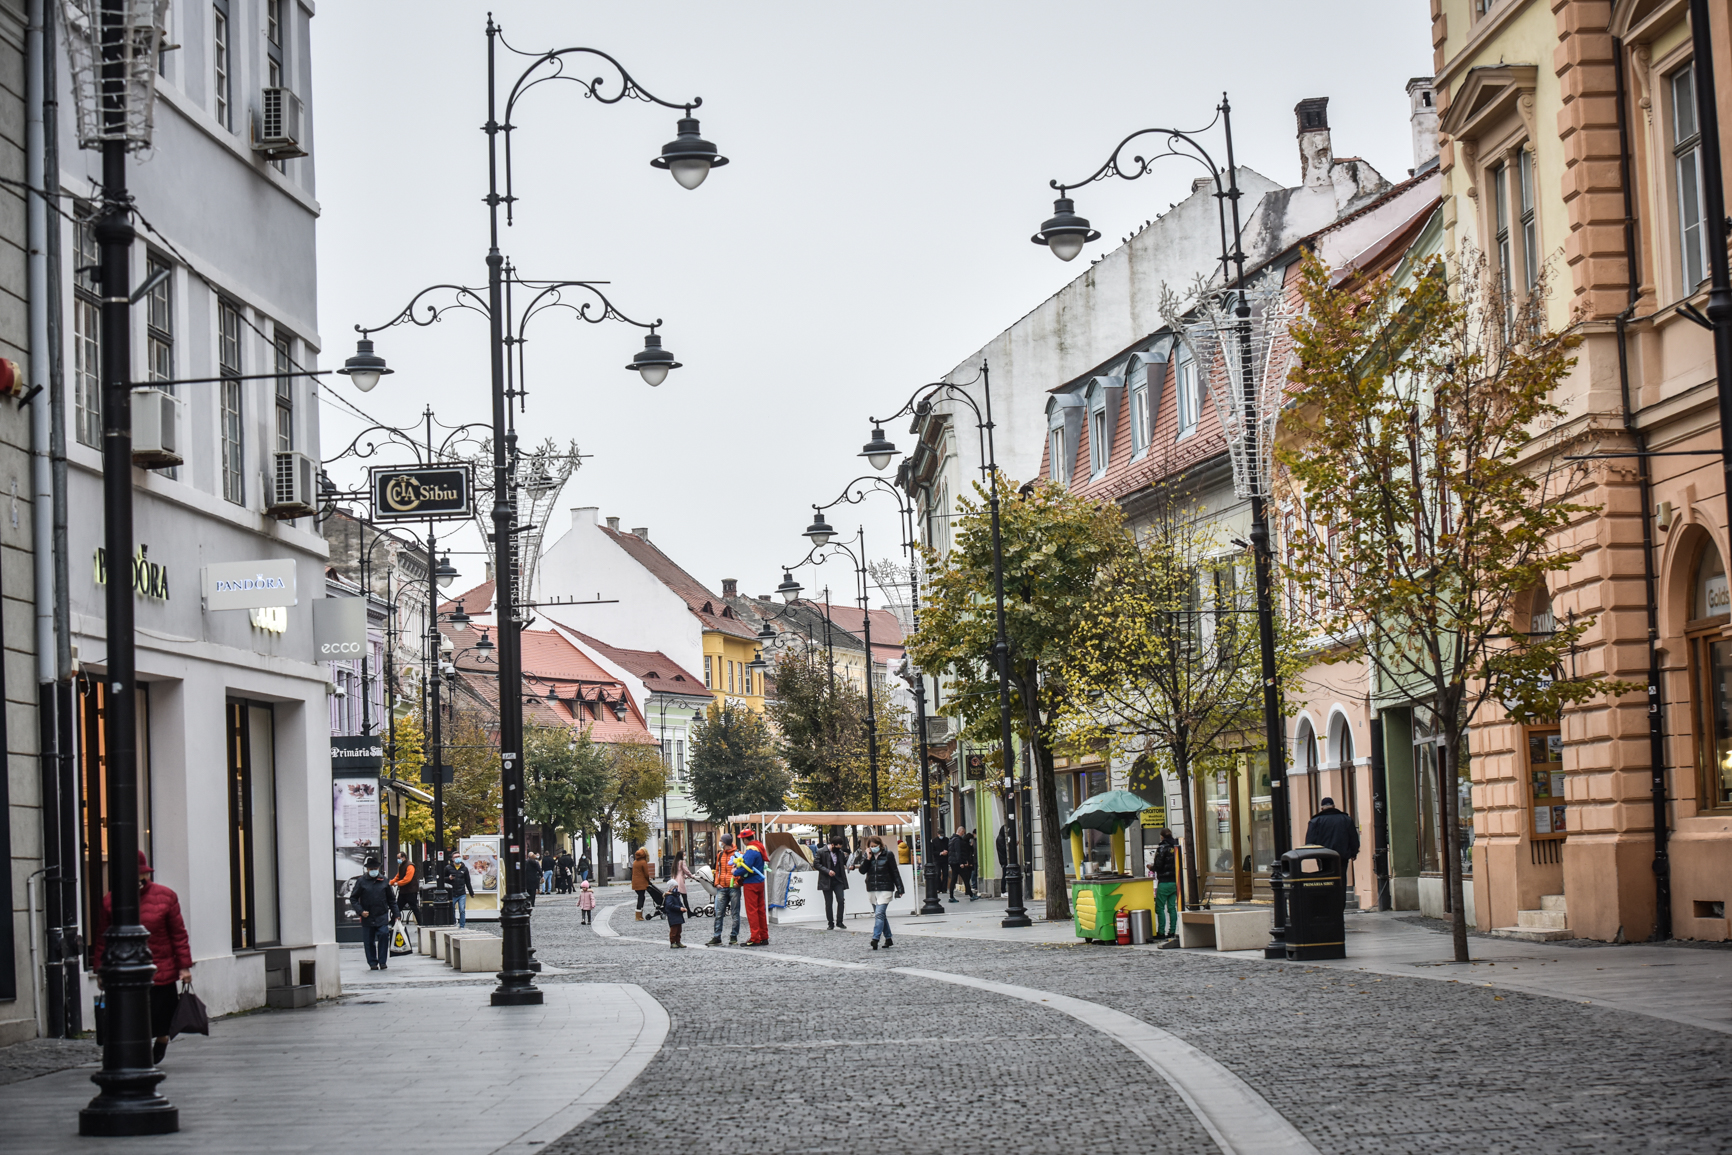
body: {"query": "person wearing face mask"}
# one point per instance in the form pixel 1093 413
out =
pixel 158 913
pixel 883 886
pixel 372 901
pixel 404 881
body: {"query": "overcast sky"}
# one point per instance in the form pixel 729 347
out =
pixel 888 164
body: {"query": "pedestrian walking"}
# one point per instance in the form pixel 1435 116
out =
pixel 1164 864
pixel 727 892
pixel 454 877
pixel 832 863
pixel 640 879
pixel 674 909
pixel 585 868
pixel 961 850
pixel 1336 830
pixel 159 914
pixel 547 861
pixel 751 870
pixel 376 907
pixel 586 901
pixel 531 875
pixel 941 849
pixel 883 886
pixel 404 882
pixel 567 873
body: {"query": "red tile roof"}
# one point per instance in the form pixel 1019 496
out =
pixel 478 600
pixel 886 627
pixel 711 610
pixel 658 671
pixel 568 711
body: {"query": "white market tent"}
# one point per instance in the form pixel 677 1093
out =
pixel 826 818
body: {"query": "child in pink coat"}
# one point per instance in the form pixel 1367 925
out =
pixel 586 902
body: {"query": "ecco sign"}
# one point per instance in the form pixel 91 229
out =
pixel 340 629
pixel 421 494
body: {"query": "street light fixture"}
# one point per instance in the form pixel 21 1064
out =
pixel 366 367
pixel 652 361
pixel 445 573
pixel 484 644
pixel 458 618
pixel 819 531
pixel 688 156
pixel 1064 232
pixel 789 589
pixel 879 450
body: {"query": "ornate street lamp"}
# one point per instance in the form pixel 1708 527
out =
pixel 1064 232
pixel 879 450
pixel 688 156
pixel 366 367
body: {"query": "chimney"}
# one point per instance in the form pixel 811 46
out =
pixel 642 533
pixel 613 524
pixel 1315 152
pixel 583 515
pixel 730 587
pixel 1422 111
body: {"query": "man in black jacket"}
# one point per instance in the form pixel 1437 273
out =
pixel 1331 828
pixel 372 901
pixel 961 864
pixel 1163 864
pixel 454 877
pixel 832 864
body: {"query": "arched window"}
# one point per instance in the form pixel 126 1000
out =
pixel 1711 680
pixel 1541 621
pixel 1308 762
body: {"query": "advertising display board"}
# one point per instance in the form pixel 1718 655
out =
pixel 355 835
pixel 480 857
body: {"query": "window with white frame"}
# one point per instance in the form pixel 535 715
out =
pixel 1503 246
pixel 1060 464
pixel 222 65
pixel 274 41
pixel 1529 225
pixel 86 333
pixel 1687 175
pixel 283 347
pixel 159 322
pixel 1100 446
pixel 1188 397
pixel 1139 386
pixel 229 392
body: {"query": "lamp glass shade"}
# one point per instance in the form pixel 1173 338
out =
pixel 1066 246
pixel 789 589
pixel 879 450
pixel 690 171
pixel 654 373
pixel 365 367
pixel 364 379
pixel 820 532
pixel 879 460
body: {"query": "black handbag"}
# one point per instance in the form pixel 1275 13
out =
pixel 190 1017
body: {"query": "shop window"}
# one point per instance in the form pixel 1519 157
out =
pixel 252 798
pixel 1711 680
pixel 1428 759
pixel 1546 783
pixel 93 789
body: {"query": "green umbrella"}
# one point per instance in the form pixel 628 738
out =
pixel 1114 810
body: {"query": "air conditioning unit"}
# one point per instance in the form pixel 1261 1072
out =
pixel 294 486
pixel 155 429
pixel 278 129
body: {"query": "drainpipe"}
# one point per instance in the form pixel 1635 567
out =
pixel 1656 712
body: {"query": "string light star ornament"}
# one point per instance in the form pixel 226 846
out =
pixel 1243 363
pixel 121 106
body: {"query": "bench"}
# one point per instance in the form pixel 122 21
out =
pixel 1226 929
pixel 477 952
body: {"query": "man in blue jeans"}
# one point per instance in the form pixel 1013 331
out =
pixel 727 893
pixel 372 901
pixel 454 877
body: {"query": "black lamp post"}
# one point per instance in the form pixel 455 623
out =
pixel 689 159
pixel 1065 234
pixel 821 536
pixel 878 452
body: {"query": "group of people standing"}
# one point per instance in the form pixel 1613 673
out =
pixel 553 874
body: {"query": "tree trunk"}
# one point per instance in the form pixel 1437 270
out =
pixel 604 853
pixel 1182 766
pixel 1451 753
pixel 1051 843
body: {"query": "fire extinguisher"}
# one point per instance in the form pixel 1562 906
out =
pixel 1122 922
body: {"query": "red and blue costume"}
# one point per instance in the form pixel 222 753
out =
pixel 751 870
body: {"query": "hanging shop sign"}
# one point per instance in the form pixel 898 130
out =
pixel 363 755
pixel 249 585
pixel 149 580
pixel 340 629
pixel 975 768
pixel 1154 818
pixel 422 494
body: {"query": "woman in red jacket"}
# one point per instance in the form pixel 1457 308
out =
pixel 159 913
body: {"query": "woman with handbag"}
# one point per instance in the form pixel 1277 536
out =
pixel 883 886
pixel 158 913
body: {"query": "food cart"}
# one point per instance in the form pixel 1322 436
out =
pixel 1096 898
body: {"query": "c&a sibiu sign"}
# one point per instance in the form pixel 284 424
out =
pixel 420 494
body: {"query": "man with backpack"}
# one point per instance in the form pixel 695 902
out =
pixel 1163 864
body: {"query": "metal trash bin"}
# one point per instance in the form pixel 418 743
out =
pixel 1316 923
pixel 1142 926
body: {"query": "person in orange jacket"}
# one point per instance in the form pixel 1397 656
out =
pixel 407 891
pixel 727 893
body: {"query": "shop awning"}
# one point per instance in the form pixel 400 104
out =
pixel 826 818
pixel 1111 811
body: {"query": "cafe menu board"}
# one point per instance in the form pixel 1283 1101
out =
pixel 1546 782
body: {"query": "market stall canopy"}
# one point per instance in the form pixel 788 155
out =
pixel 827 818
pixel 1114 810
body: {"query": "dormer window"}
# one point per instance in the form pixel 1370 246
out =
pixel 1189 399
pixel 1059 467
pixel 1139 385
pixel 1100 441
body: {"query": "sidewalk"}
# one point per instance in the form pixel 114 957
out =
pixel 333 1077
pixel 1680 982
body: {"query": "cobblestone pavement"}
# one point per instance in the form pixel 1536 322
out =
pixel 789 1056
pixel 35 1057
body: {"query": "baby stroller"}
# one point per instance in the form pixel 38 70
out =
pixel 655 902
pixel 701 899
pixel 562 880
